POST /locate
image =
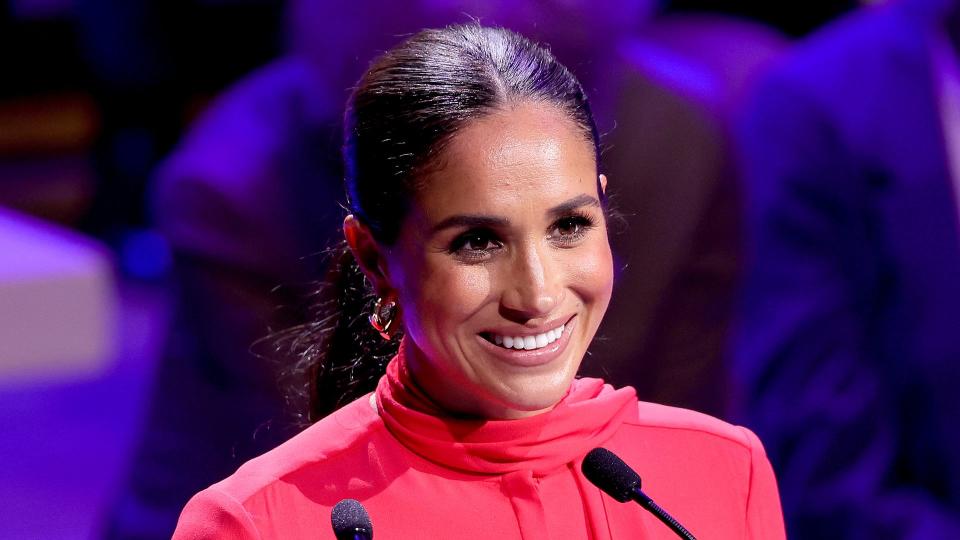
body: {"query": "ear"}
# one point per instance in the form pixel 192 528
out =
pixel 603 183
pixel 367 252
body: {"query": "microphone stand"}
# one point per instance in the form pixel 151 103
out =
pixel 647 503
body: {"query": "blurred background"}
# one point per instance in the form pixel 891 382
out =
pixel 787 246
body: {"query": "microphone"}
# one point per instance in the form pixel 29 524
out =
pixel 350 521
pixel 608 472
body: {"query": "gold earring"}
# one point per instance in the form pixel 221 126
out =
pixel 383 316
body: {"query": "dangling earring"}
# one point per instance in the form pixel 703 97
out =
pixel 383 315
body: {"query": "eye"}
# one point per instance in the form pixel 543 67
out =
pixel 475 245
pixel 570 229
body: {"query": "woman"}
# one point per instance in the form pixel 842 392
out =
pixel 477 218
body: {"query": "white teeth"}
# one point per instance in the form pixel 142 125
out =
pixel 529 342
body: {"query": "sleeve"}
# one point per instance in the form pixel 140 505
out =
pixel 212 514
pixel 806 356
pixel 764 516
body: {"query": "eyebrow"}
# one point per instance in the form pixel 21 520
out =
pixel 577 202
pixel 472 221
pixel 469 221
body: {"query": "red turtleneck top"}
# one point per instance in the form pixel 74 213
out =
pixel 422 475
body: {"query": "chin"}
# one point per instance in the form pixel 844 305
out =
pixel 529 398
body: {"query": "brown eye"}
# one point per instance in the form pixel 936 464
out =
pixel 475 245
pixel 568 230
pixel 569 226
pixel 478 243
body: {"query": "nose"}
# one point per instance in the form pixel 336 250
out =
pixel 532 289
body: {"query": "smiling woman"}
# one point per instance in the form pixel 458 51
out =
pixel 507 240
pixel 478 222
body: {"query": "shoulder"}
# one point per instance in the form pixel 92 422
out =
pixel 707 469
pixel 316 451
pixel 846 56
pixel 214 514
pixel 674 422
pixel 687 448
pixel 253 121
pixel 270 96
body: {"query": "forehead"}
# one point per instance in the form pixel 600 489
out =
pixel 513 159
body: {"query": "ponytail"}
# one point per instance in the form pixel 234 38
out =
pixel 337 356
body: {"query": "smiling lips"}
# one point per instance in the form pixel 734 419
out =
pixel 526 343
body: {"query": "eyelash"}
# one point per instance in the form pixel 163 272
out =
pixel 579 222
pixel 582 223
pixel 460 245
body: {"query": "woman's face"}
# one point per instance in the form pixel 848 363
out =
pixel 502 268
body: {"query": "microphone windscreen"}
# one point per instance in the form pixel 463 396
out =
pixel 350 519
pixel 608 472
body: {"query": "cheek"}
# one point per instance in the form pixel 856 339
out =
pixel 592 274
pixel 447 294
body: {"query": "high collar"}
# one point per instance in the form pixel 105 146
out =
pixel 587 417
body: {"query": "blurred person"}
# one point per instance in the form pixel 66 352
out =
pixel 476 247
pixel 847 345
pixel 675 84
pixel 148 60
pixel 246 203
pixel 233 203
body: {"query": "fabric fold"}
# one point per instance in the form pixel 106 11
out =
pixel 520 451
pixel 587 417
pixel 521 488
